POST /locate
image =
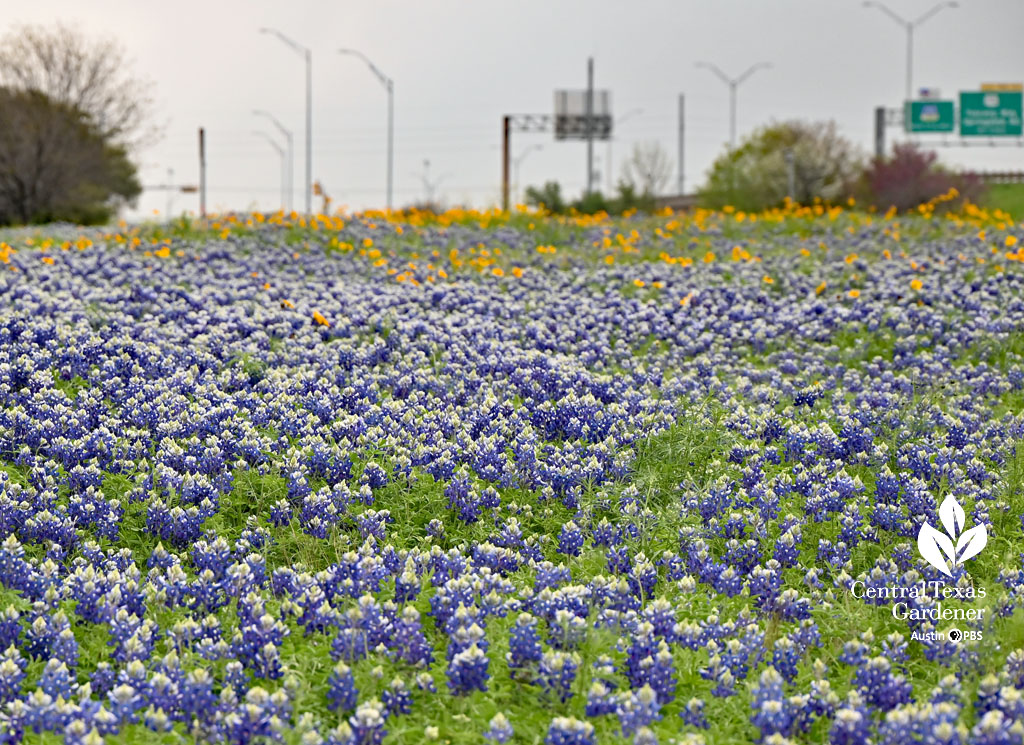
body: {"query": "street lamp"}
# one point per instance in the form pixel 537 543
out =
pixel 280 151
pixel 430 186
pixel 733 83
pixel 389 84
pixel 309 111
pixel 518 160
pixel 610 165
pixel 291 153
pixel 910 26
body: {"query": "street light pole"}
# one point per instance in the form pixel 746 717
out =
pixel 291 154
pixel 389 85
pixel 733 83
pixel 280 151
pixel 610 165
pixel 909 26
pixel 517 161
pixel 309 111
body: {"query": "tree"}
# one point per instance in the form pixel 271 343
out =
pixel 549 197
pixel 54 165
pixel 648 168
pixel 70 115
pixel 89 75
pixel 756 175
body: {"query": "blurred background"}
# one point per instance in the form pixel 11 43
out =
pixel 456 68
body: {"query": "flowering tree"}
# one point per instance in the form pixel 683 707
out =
pixel 756 175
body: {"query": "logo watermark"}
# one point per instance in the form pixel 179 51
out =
pixel 923 601
pixel 946 551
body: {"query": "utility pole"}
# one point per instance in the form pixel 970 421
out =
pixel 790 174
pixel 202 172
pixel 879 132
pixel 506 130
pixel 590 125
pixel 682 140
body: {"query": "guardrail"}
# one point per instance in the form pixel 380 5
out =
pixel 997 177
pixel 677 201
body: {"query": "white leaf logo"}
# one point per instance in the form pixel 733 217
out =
pixel 970 543
pixel 944 551
pixel 932 544
pixel 952 516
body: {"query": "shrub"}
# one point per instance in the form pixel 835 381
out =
pixel 912 177
pixel 549 197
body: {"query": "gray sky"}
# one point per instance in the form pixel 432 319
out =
pixel 459 66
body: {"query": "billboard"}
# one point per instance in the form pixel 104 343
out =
pixel 571 115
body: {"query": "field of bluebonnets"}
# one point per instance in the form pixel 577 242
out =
pixel 489 478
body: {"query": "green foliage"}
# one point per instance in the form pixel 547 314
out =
pixel 755 175
pixel 56 166
pixel 628 198
pixel 591 203
pixel 1006 197
pixel 549 197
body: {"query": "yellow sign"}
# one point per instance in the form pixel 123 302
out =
pixel 1002 86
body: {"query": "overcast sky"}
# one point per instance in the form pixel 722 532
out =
pixel 458 66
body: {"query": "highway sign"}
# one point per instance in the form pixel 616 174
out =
pixel 929 116
pixel 990 114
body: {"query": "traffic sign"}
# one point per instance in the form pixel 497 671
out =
pixel 929 116
pixel 990 114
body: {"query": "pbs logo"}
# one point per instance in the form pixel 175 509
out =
pixel 955 635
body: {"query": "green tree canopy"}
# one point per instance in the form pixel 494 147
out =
pixel 755 175
pixel 55 165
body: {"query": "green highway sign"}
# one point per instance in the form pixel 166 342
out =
pixel 929 116
pixel 990 114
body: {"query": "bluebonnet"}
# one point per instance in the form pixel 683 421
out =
pixel 467 671
pixel 499 729
pixel 637 709
pixel 557 672
pixel 397 699
pixel 524 644
pixel 341 688
pixel 569 731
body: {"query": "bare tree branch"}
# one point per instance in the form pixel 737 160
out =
pixel 89 75
pixel 648 168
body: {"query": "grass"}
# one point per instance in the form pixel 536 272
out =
pixel 1006 197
